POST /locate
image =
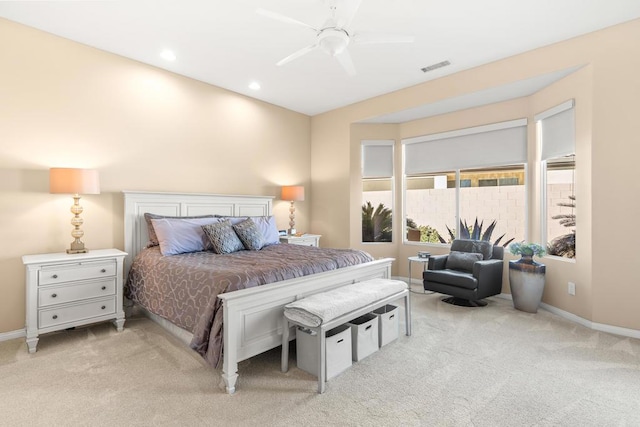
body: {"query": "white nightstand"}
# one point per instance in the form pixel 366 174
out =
pixel 304 240
pixel 67 290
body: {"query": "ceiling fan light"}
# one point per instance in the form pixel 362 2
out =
pixel 333 41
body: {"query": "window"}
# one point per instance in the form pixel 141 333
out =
pixel 377 191
pixel 556 133
pixel 484 182
pixel 496 199
pixel 430 206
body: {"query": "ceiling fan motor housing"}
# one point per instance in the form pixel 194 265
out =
pixel 333 41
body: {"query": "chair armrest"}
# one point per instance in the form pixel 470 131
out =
pixel 490 269
pixel 437 262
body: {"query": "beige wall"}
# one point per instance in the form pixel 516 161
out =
pixel 67 105
pixel 606 92
pixel 64 104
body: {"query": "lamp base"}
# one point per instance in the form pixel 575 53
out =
pixel 77 251
pixel 77 246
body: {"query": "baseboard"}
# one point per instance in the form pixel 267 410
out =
pixel 6 336
pixel 615 330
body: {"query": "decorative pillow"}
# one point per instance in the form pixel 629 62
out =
pixel 249 234
pixel 266 224
pixel 153 239
pixel 462 260
pixel 222 237
pixel 182 235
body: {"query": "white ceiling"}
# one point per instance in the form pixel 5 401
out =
pixel 225 43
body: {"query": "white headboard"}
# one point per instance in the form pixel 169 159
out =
pixel 137 203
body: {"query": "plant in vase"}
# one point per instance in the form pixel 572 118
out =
pixel 526 276
pixel 527 250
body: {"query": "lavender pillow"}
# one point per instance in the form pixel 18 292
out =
pixel 153 239
pixel 182 235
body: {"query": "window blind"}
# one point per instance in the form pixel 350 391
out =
pixel 557 131
pixel 377 159
pixel 490 145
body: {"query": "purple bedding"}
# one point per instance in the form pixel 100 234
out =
pixel 184 288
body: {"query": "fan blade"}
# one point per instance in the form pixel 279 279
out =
pixel 370 38
pixel 297 54
pixel 345 11
pixel 283 18
pixel 344 59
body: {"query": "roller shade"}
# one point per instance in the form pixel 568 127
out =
pixel 377 159
pixel 490 145
pixel 557 131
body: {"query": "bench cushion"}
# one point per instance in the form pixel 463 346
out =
pixel 316 309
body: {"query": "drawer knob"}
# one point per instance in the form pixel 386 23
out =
pixel 103 271
pixel 104 288
pixel 55 276
pixel 104 306
pixel 54 295
pixel 55 316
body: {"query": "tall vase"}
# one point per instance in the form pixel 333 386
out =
pixel 526 280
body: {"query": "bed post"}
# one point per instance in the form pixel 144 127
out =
pixel 230 349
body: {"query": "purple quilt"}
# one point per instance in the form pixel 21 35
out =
pixel 184 288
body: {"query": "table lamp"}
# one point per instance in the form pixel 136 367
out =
pixel 75 182
pixel 292 193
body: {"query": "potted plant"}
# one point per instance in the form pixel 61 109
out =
pixel 526 276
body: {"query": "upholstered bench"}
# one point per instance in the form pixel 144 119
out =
pixel 326 310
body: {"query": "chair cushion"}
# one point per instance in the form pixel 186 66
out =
pixel 476 246
pixel 462 260
pixel 452 278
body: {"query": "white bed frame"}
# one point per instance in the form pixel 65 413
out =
pixel 252 317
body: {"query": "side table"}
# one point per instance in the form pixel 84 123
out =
pixel 424 262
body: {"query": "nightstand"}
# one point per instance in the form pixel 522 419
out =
pixel 304 240
pixel 67 290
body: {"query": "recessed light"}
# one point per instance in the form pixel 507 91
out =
pixel 254 86
pixel 168 55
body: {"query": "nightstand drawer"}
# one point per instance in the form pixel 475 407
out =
pixel 49 275
pixel 304 242
pixel 72 313
pixel 61 294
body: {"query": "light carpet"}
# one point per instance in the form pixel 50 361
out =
pixel 491 366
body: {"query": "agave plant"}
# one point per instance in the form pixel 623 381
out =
pixel 376 224
pixel 565 245
pixel 476 232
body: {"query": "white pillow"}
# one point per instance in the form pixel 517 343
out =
pixel 181 235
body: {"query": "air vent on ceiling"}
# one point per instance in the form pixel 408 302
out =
pixel 435 66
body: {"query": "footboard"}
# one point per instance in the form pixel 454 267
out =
pixel 253 317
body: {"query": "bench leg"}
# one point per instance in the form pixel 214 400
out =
pixel 285 345
pixel 322 368
pixel 407 314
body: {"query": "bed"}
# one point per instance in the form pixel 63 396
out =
pixel 249 318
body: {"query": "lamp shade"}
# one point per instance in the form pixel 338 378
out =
pixel 294 193
pixel 74 181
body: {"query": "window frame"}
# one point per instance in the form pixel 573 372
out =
pixel 543 169
pixel 391 179
pixel 457 196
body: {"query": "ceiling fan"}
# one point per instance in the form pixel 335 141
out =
pixel 335 35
